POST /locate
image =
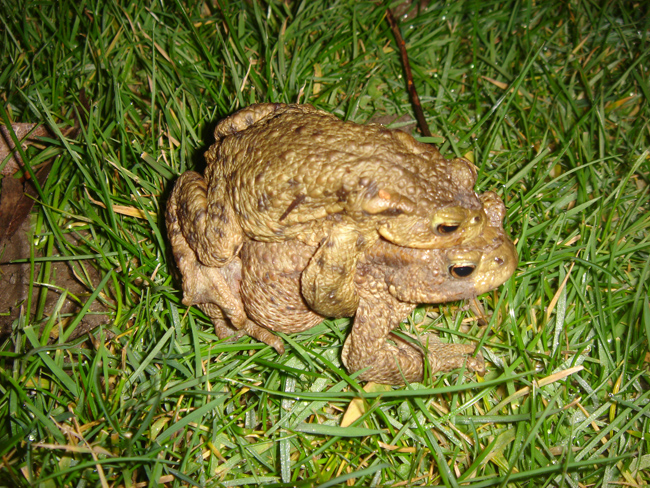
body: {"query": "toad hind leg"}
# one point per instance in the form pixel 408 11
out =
pixel 367 347
pixel 250 328
pixel 213 288
pixel 216 292
pixel 209 228
pixel 327 282
pixel 210 286
pixel 201 283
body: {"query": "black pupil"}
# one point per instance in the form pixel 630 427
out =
pixel 447 228
pixel 462 271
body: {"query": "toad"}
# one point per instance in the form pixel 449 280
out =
pixel 291 172
pixel 390 281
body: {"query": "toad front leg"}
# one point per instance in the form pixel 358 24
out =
pixel 367 346
pixel 327 282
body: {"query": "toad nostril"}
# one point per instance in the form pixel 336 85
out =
pixel 499 260
pixel 461 271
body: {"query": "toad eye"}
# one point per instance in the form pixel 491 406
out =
pixel 446 229
pixel 461 271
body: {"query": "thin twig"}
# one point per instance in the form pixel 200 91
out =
pixel 415 99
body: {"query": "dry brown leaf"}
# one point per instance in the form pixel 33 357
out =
pixel 7 145
pixel 357 406
pixel 18 194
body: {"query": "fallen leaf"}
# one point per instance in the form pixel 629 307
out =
pixel 357 406
pixel 17 200
pixel 27 134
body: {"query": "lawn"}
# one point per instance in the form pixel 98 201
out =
pixel 549 99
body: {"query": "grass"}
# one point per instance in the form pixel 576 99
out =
pixel 551 101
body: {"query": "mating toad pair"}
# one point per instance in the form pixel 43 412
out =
pixel 301 216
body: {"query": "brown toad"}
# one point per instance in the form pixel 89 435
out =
pixel 390 281
pixel 281 172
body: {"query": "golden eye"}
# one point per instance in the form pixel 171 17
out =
pixel 445 229
pixel 461 271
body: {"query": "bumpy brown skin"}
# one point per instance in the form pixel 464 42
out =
pixel 390 281
pixel 281 172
